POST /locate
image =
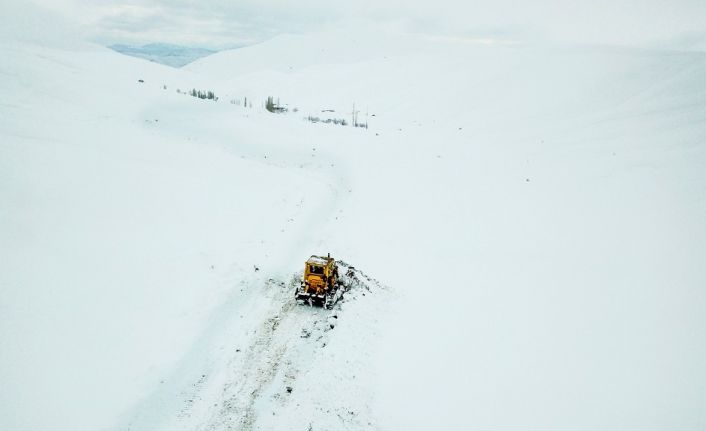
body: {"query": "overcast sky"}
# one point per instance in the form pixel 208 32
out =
pixel 223 23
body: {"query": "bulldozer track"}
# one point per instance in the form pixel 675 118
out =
pixel 256 364
pixel 276 349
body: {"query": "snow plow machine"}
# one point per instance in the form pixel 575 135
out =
pixel 321 285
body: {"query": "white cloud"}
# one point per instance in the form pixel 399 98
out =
pixel 217 23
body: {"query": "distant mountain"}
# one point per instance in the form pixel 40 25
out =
pixel 164 53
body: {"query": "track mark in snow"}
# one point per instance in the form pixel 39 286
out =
pixel 288 347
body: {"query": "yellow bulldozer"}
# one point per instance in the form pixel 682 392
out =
pixel 320 285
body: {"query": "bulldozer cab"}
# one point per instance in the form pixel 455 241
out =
pixel 322 267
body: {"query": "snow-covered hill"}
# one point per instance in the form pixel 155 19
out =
pixel 534 216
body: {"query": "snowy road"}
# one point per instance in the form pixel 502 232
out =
pixel 260 342
pixel 268 366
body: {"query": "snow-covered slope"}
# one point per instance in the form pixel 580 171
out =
pixel 537 213
pixel 126 223
pixel 540 208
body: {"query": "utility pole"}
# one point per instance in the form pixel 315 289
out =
pixel 354 116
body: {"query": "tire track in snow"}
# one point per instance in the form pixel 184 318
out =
pixel 289 344
pixel 273 351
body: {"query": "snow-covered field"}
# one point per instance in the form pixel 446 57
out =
pixel 532 219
